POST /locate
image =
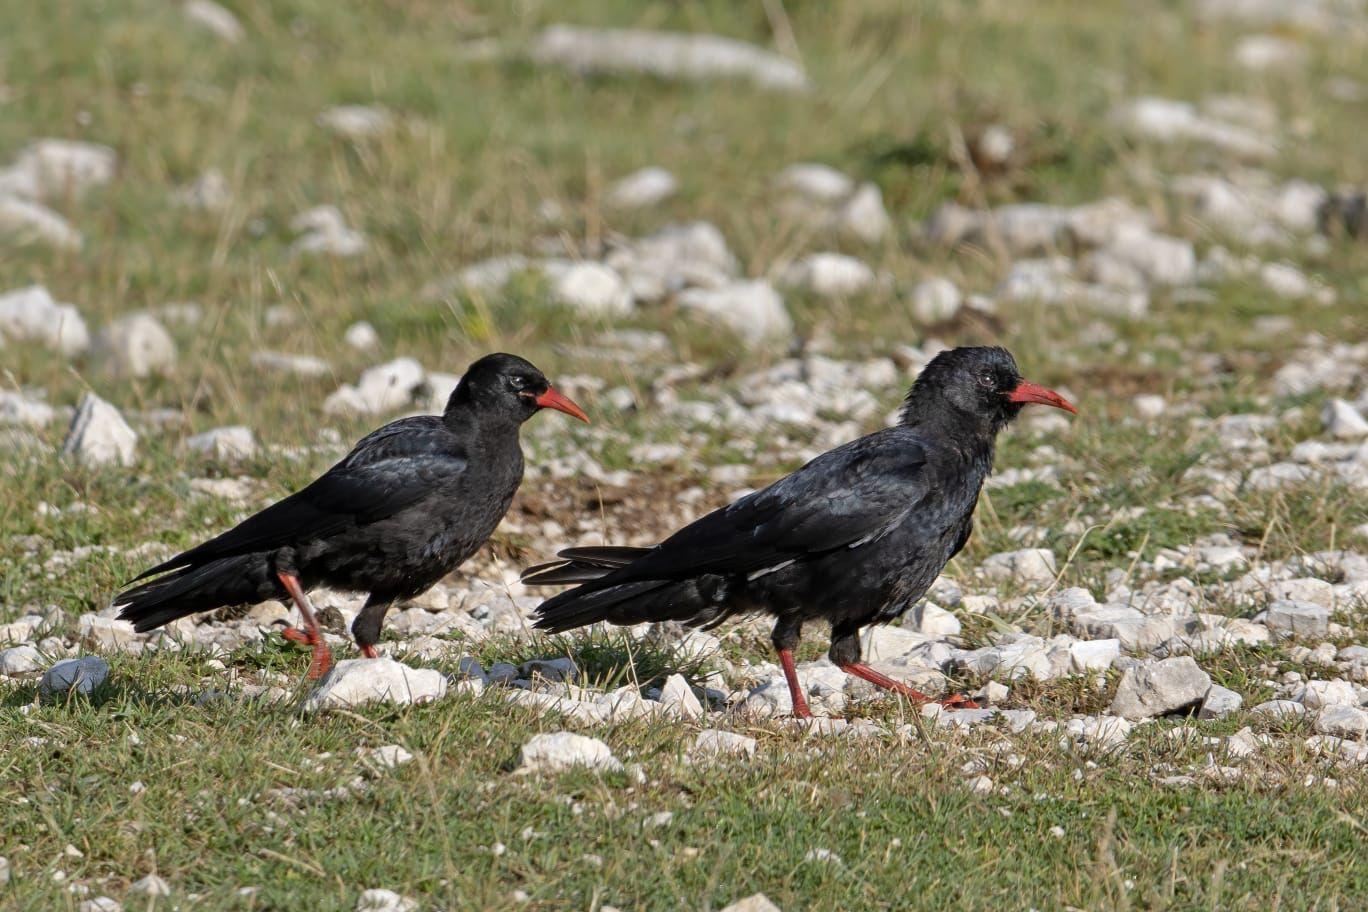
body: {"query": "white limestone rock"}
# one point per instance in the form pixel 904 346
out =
pixel 830 275
pixel 30 314
pixel 667 55
pixel 19 410
pixel 1342 721
pixel 1029 567
pixel 134 345
pixel 590 289
pixel 643 189
pixel 356 122
pixel 1219 703
pixel 227 444
pixel 935 300
pixel 28 222
pixel 1298 618
pixel 99 435
pixel 553 752
pixel 712 742
pixel 18 660
pixel 382 900
pixel 383 388
pixel 1156 688
pixel 690 255
pixel 753 310
pixel 214 18
pixel 353 682
pixel 1343 421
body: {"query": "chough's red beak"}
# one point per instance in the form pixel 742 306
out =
pixel 1026 391
pixel 554 400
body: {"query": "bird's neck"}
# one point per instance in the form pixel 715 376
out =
pixel 468 417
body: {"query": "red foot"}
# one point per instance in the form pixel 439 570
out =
pixel 370 652
pixel 295 635
pixel 959 701
pixel 860 670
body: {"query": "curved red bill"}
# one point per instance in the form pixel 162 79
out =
pixel 554 400
pixel 1026 391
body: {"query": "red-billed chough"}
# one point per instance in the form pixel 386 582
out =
pixel 855 537
pixel 405 507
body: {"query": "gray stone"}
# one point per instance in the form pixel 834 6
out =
pixel 81 676
pixel 552 752
pixel 135 345
pixel 1219 703
pixel 1298 618
pixel 1156 688
pixel 99 435
pixel 30 314
pixel 668 55
pixel 352 682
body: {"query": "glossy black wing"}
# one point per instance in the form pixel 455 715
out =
pixel 842 498
pixel 388 470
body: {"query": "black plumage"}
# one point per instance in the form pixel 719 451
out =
pixel 854 537
pixel 407 505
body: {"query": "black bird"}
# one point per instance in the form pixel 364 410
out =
pixel 406 506
pixel 855 537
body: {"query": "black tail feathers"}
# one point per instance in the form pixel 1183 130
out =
pixel 228 581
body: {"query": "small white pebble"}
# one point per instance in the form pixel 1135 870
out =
pixel 1057 832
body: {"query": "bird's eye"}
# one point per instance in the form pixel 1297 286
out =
pixel 987 380
pixel 517 382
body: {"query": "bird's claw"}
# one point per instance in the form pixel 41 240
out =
pixel 295 635
pixel 958 701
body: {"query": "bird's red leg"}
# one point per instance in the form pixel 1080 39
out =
pixel 313 636
pixel 860 670
pixel 370 652
pixel 800 707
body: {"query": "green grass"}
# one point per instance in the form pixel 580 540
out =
pixel 480 144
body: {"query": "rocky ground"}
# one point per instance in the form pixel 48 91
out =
pixel 233 241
